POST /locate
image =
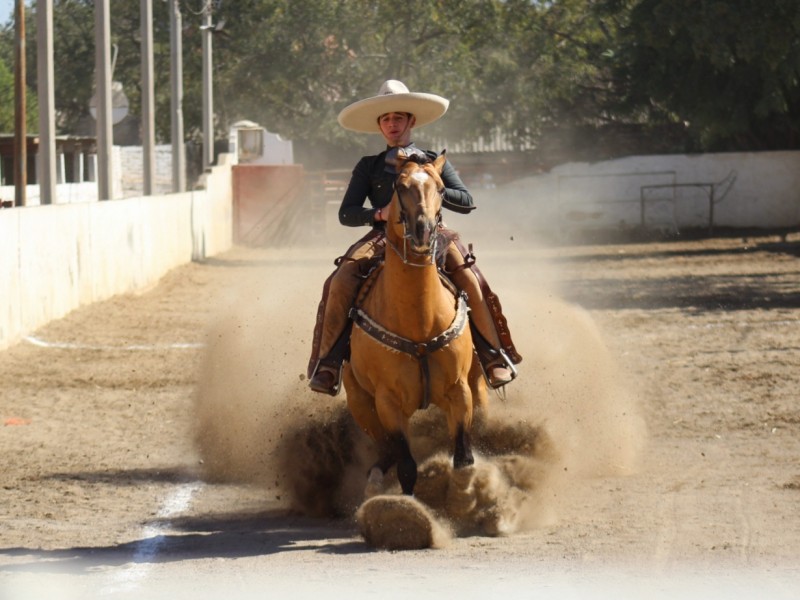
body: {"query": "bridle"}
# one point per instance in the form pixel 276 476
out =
pixel 431 253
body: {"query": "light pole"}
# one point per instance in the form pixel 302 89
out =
pixel 105 131
pixel 208 88
pixel 20 132
pixel 176 78
pixel 47 111
pixel 148 99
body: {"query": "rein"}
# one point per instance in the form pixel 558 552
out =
pixel 419 350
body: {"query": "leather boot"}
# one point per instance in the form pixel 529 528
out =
pixel 327 377
pixel 498 374
pixel 326 380
pixel 497 366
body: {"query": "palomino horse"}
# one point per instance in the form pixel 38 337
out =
pixel 411 343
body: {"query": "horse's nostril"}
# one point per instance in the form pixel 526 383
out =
pixel 423 230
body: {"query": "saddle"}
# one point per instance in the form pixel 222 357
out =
pixel 369 270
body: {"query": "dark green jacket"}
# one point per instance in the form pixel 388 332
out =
pixel 370 181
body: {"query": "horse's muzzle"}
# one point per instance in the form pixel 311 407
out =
pixel 422 234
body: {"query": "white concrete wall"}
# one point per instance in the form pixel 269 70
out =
pixel 56 258
pixel 575 196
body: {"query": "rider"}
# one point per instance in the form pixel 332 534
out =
pixel 394 112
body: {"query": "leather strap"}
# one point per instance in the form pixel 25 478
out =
pixel 319 323
pixel 419 350
pixel 491 299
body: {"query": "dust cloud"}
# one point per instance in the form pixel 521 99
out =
pixel 568 415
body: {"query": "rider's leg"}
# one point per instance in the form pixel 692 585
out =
pixel 332 332
pixel 326 363
pixel 497 360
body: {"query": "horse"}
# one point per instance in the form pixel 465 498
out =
pixel 411 344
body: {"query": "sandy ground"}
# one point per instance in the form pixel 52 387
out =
pixel 663 375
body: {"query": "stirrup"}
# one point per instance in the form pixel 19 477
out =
pixel 501 359
pixel 335 371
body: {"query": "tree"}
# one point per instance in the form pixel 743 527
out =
pixel 311 58
pixel 74 61
pixel 729 69
pixel 7 100
pixel 725 71
pixel 7 94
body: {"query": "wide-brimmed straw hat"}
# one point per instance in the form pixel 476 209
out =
pixel 393 96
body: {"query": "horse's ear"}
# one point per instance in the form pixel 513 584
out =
pixel 439 162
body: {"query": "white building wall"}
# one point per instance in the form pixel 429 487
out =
pixel 127 175
pixel 132 173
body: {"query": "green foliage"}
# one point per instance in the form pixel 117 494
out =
pixel 730 69
pixel 726 71
pixel 7 102
pixel 6 98
pixel 74 61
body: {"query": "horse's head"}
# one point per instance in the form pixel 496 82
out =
pixel 417 204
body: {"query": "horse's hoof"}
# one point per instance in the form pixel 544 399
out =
pixel 433 481
pixel 374 483
pixel 464 461
pixel 464 474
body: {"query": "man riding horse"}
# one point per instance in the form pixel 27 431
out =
pixel 393 113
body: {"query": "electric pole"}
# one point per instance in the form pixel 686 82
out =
pixel 208 87
pixel 176 78
pixel 47 111
pixel 105 131
pixel 148 99
pixel 20 131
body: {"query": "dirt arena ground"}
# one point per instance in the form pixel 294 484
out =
pixel 664 374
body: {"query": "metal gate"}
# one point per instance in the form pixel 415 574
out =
pixel 269 202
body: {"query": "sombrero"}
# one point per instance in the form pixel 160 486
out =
pixel 362 116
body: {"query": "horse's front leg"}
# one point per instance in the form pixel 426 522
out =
pixel 394 444
pixel 462 451
pixel 386 460
pixel 394 450
pixel 459 422
pixel 364 411
pixel 406 465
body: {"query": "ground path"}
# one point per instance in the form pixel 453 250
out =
pixel 100 493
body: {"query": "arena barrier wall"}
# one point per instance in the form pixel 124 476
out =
pixel 751 190
pixel 59 257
